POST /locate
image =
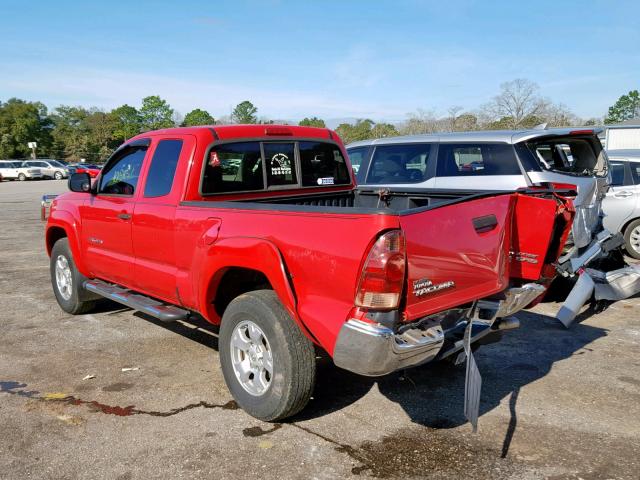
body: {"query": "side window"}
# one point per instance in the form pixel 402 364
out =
pixel 399 164
pixel 617 174
pixel 455 160
pixel 635 172
pixel 233 167
pixel 322 164
pixel 120 176
pixel 281 164
pixel 356 156
pixel 162 168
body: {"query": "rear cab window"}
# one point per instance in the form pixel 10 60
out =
pixel 396 164
pixel 252 166
pixel 477 159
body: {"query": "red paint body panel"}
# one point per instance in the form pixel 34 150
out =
pixel 179 252
pixel 443 246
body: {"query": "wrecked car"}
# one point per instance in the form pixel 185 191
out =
pixel 507 160
pixel 262 231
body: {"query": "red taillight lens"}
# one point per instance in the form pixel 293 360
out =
pixel 382 278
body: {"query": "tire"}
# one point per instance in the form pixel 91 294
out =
pixel 57 176
pixel 631 237
pixel 71 299
pixel 22 177
pixel 293 365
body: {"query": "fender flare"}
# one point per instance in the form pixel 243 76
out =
pixel 65 220
pixel 244 252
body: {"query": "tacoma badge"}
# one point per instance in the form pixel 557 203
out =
pixel 425 286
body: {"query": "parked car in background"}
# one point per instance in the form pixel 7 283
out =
pixel 15 170
pixel 50 168
pixel 622 204
pixel 92 170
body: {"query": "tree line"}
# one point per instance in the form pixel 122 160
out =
pixel 75 132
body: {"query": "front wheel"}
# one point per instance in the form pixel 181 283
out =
pixel 632 239
pixel 22 177
pixel 267 362
pixel 67 280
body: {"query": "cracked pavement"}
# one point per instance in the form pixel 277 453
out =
pixel 556 403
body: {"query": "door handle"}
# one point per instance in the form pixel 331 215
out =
pixel 124 216
pixel 485 223
pixel 622 194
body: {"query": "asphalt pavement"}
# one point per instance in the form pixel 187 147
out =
pixel 117 395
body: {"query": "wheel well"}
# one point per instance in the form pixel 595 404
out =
pixel 234 282
pixel 53 235
pixel 626 225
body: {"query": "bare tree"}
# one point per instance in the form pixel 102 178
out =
pixel 453 116
pixel 517 104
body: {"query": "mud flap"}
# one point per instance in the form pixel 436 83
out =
pixel 472 382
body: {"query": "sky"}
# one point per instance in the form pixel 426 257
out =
pixel 332 59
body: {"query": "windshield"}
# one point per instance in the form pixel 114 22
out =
pixel 582 157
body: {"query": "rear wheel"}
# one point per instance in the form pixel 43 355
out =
pixel 57 176
pixel 67 280
pixel 22 177
pixel 632 239
pixel 267 362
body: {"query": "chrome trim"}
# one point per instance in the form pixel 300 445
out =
pixel 374 350
pixel 518 298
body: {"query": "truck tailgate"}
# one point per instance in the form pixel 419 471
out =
pixel 457 253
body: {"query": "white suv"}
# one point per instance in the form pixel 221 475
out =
pixel 14 170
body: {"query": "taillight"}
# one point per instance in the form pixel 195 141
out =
pixel 382 278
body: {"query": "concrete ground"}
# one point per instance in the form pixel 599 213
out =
pixel 556 403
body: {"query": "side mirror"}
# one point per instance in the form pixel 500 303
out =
pixel 80 182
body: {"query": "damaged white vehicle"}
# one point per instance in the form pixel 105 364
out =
pixel 507 160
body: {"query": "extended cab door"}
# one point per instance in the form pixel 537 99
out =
pixel 154 246
pixel 106 215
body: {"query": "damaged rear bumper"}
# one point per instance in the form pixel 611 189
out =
pixel 373 349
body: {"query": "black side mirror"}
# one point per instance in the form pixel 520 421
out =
pixel 80 182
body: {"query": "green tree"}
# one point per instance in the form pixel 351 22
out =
pixel 627 107
pixel 312 122
pixel 71 133
pixel 197 117
pixel 22 122
pixel 361 130
pixel 382 130
pixel 155 113
pixel 127 122
pixel 245 112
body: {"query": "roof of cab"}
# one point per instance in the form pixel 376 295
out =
pixel 227 132
pixel 502 136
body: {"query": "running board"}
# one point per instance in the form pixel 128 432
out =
pixel 136 301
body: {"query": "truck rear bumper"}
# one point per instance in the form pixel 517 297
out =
pixel 373 350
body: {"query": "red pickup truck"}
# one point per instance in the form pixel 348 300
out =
pixel 261 230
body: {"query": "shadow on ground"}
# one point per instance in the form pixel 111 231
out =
pixel 433 394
